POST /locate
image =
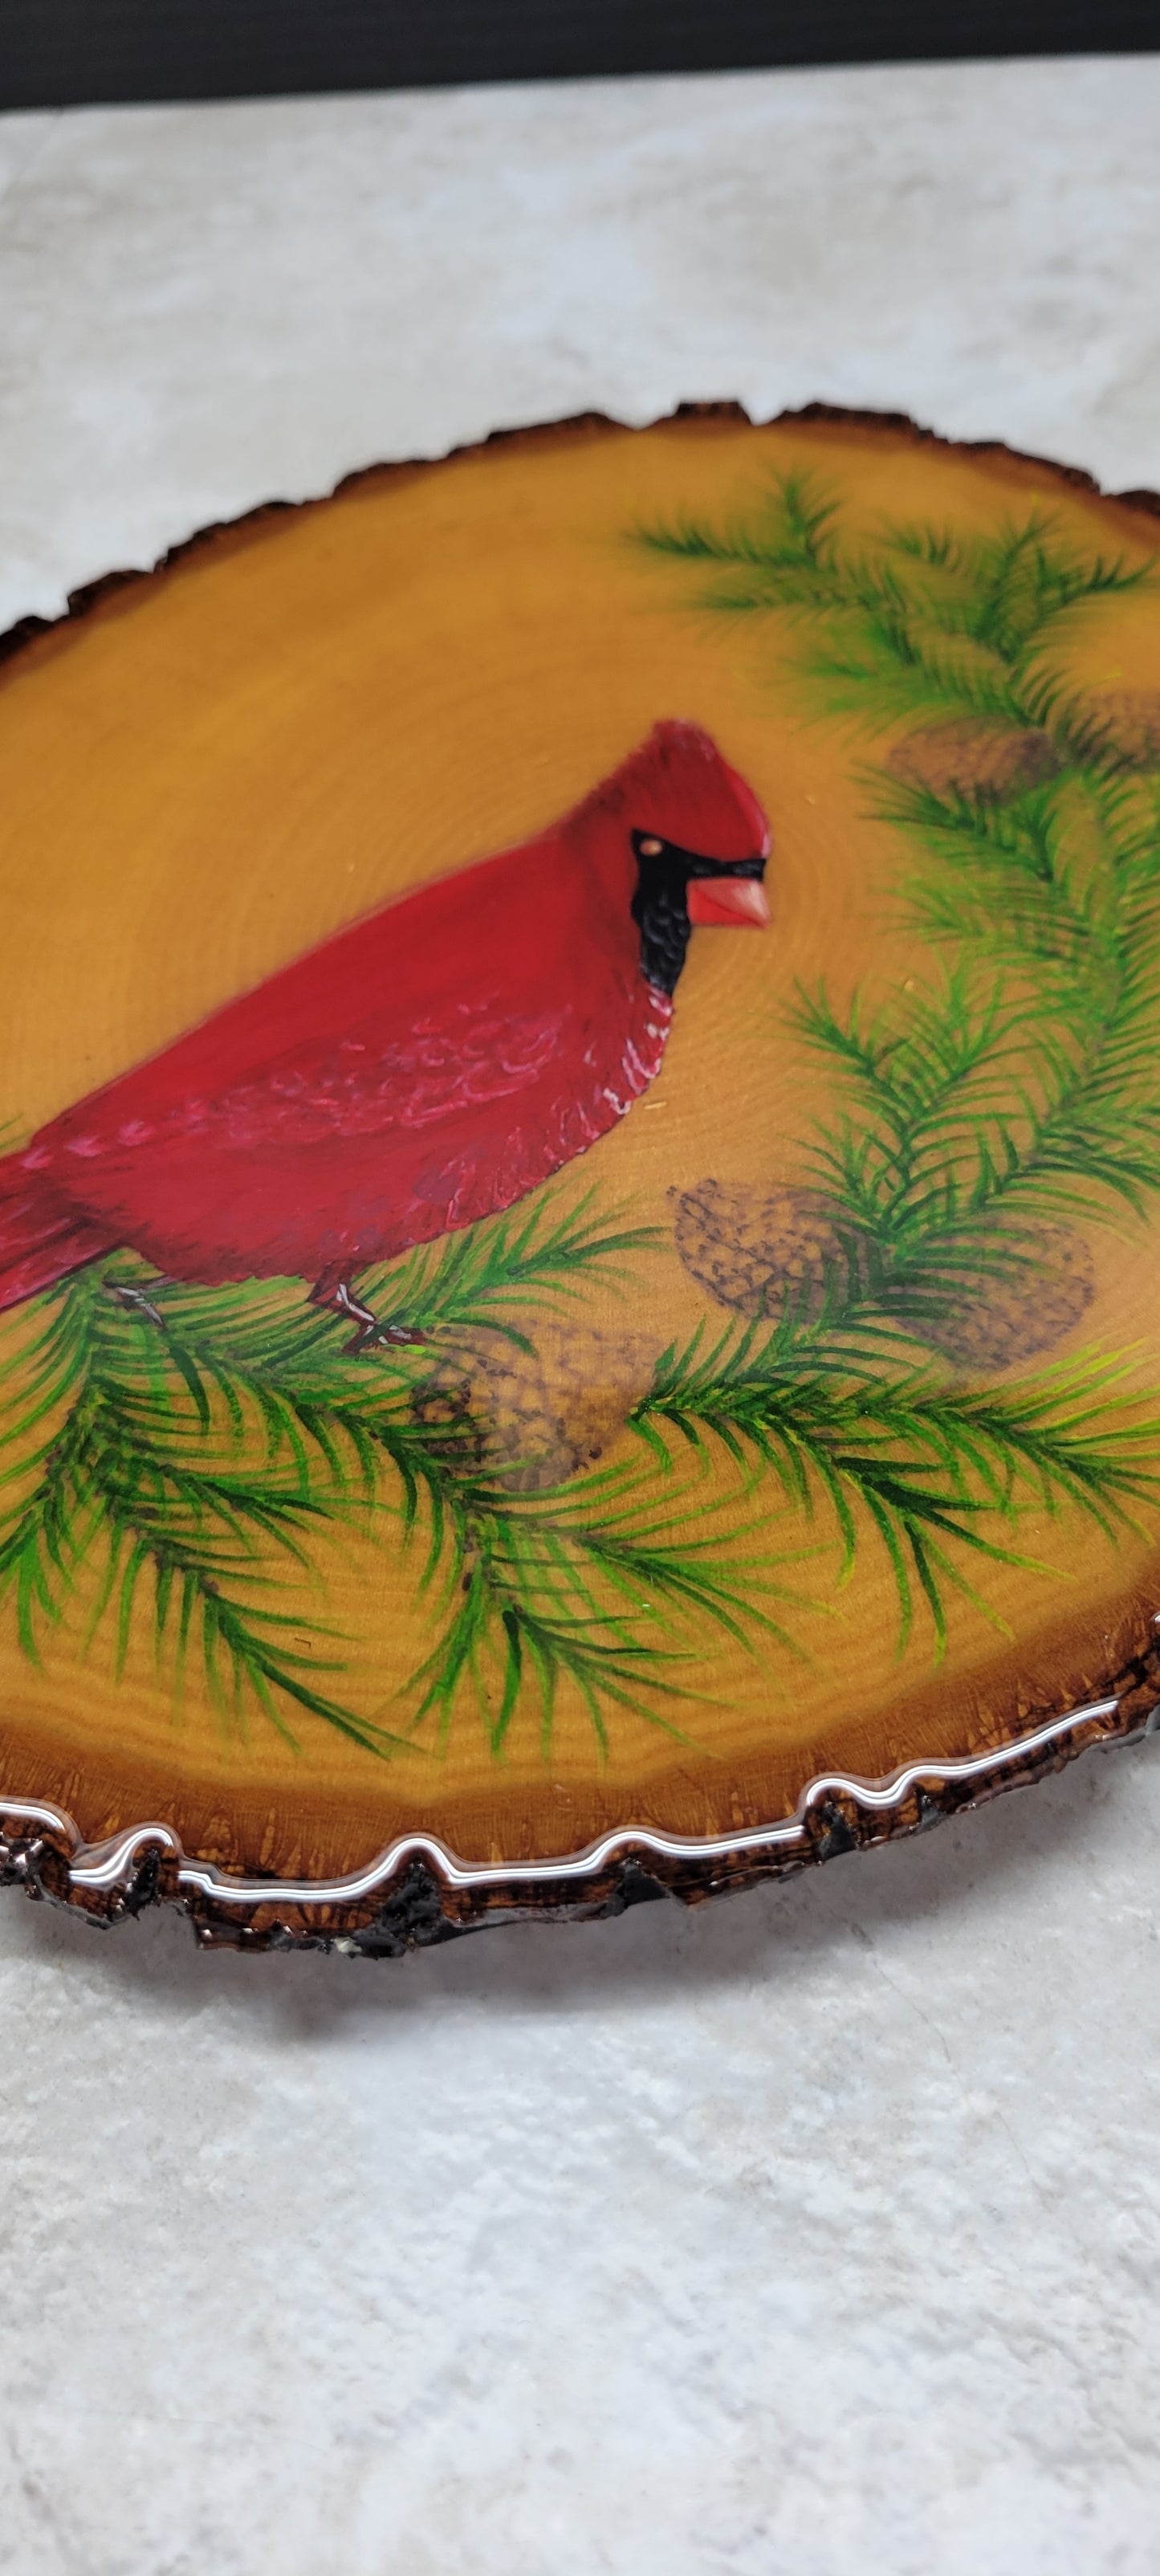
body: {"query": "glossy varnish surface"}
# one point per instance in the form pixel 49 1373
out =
pixel 217 769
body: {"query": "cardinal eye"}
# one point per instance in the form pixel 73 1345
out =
pixel 648 846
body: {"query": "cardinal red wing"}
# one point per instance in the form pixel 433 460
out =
pixel 344 1157
pixel 426 1066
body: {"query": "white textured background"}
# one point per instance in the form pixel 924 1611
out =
pixel 817 2232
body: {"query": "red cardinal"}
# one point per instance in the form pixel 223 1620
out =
pixel 423 1068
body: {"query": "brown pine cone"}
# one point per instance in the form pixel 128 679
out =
pixel 1004 1319
pixel 763 1252
pixel 1127 725
pixel 974 756
pixel 536 1416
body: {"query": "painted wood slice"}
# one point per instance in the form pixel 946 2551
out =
pixel 578 1221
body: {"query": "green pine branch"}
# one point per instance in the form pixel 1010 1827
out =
pixel 918 621
pixel 159 1473
pixel 1056 903
pixel 1022 1085
pixel 201 1466
pixel 931 1468
pixel 573 1588
pixel 204 1461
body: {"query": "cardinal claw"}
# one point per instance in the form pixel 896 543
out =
pixel 136 1301
pixel 380 1336
pixel 371 1332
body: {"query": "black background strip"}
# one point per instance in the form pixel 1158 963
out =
pixel 67 52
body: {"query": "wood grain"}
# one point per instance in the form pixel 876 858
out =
pixel 210 769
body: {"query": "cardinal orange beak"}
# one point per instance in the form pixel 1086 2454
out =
pixel 727 903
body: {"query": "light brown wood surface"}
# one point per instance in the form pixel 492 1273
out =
pixel 218 766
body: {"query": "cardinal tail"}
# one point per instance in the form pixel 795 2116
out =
pixel 41 1237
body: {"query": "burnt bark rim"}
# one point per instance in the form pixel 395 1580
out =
pixel 417 1893
pixel 27 632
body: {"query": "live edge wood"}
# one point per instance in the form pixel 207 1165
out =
pixel 544 673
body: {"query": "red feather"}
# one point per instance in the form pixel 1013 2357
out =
pixel 425 1067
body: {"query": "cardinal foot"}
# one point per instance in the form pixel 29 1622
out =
pixel 370 1332
pixel 136 1301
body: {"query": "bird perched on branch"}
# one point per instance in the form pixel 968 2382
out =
pixel 423 1068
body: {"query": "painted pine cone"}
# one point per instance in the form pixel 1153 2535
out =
pixel 973 756
pixel 1126 727
pixel 538 1416
pixel 763 1252
pixel 1002 1320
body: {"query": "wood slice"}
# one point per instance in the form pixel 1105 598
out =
pixel 562 1392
